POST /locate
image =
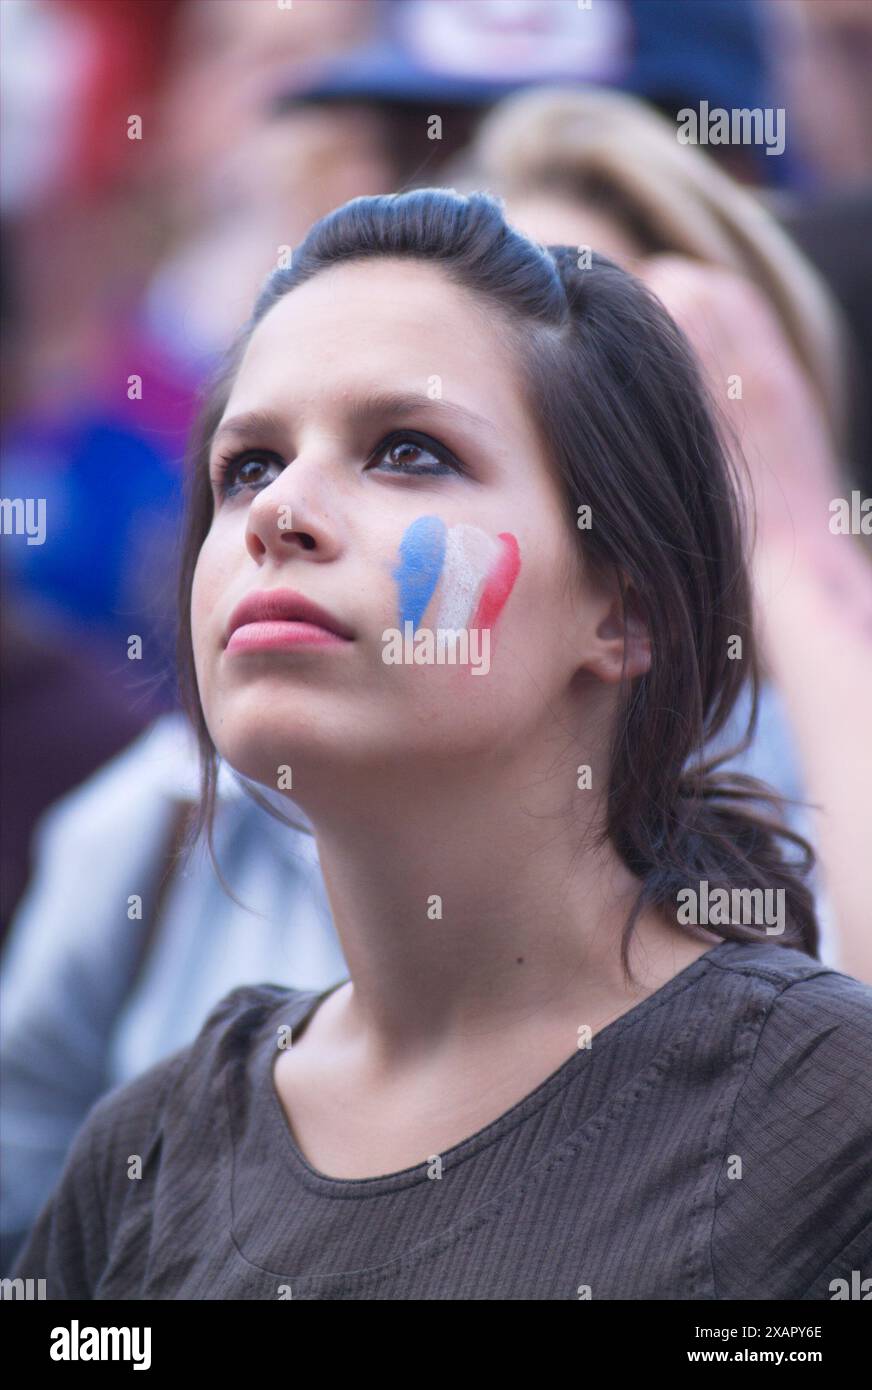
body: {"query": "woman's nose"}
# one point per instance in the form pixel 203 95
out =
pixel 297 512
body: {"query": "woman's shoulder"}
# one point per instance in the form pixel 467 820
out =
pixel 801 998
pixel 111 1170
pixel 810 1024
pixel 794 1195
pixel 232 1028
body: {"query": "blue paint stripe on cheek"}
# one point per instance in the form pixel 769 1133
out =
pixel 422 553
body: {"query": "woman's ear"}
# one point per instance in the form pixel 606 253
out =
pixel 621 644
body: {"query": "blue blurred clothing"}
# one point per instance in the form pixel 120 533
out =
pixel 112 505
pixel 109 468
pixel 81 1011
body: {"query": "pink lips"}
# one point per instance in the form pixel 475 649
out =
pixel 275 619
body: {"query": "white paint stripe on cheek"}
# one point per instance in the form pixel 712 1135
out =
pixel 469 554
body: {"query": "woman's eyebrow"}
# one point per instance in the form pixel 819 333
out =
pixel 358 413
pixel 410 403
pixel 250 422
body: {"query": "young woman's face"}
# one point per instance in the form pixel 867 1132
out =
pixel 398 520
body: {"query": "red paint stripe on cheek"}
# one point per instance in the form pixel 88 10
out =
pixel 500 583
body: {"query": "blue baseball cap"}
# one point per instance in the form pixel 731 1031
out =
pixel 473 52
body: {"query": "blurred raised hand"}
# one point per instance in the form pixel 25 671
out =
pixel 813 583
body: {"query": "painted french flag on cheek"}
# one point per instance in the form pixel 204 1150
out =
pixel 473 572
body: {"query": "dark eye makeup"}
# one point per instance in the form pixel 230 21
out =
pixel 253 469
pixel 235 472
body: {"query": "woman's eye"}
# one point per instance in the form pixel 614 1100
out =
pixel 247 470
pixel 409 453
pixel 405 453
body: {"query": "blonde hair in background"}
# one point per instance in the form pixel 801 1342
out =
pixel 616 153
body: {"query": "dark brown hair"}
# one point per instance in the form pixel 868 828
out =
pixel 619 400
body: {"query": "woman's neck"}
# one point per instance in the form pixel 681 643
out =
pixel 482 914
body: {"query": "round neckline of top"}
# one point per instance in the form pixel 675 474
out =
pixel 377 1185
